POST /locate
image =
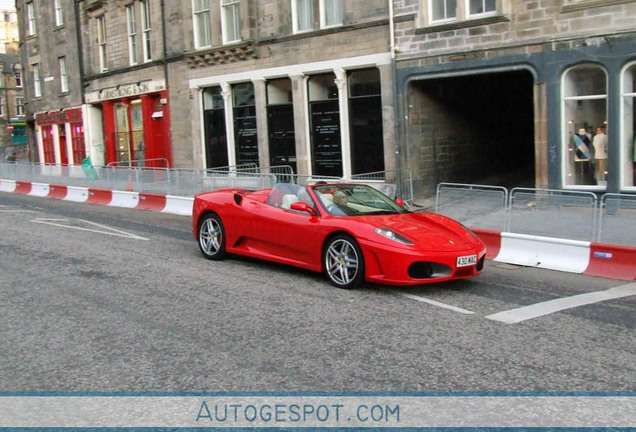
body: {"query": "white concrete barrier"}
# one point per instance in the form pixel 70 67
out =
pixel 77 194
pixel 39 189
pixel 124 199
pixel 178 205
pixel 7 185
pixel 544 252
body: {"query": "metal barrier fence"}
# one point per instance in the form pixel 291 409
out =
pixel 188 182
pixel 573 215
pixel 474 205
pixel 553 213
pixel 617 219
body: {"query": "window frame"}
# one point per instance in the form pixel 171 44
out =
pixel 202 16
pixel 470 15
pixel 446 18
pixel 295 17
pixel 1 106
pixel 565 135
pixel 102 38
pixel 59 13
pixel 230 12
pixel 37 83
pixel 19 106
pixel 627 154
pixel 131 28
pixel 31 22
pixel 64 87
pixel 323 13
pixel 146 29
pixel 18 79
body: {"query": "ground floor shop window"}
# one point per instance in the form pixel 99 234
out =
pixel 585 121
pixel 77 139
pixel 324 114
pixel 48 145
pixel 245 131
pixel 216 154
pixel 628 134
pixel 280 123
pixel 365 121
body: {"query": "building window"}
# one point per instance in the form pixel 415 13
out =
pixel 231 21
pixel 324 115
pixel 481 7
pixel 146 29
pixel 37 84
pixel 59 13
pixel 245 131
pixel 1 107
pixel 202 24
pixel 331 12
pixel 77 142
pixel 63 75
pixel 365 121
pixel 31 29
pixel 216 150
pixel 132 34
pixel 19 104
pixel 628 133
pixel 584 90
pixel 303 15
pixel 101 41
pixel 18 79
pixel 442 10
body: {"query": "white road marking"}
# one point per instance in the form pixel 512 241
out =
pixel 104 229
pixel 433 302
pixel 540 309
pixel 18 211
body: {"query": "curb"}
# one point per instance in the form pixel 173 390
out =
pixel 137 200
pixel 588 258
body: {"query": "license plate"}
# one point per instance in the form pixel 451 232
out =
pixel 466 261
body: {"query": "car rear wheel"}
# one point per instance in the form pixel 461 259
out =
pixel 344 263
pixel 212 237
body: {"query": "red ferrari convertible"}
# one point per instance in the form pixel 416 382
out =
pixel 352 232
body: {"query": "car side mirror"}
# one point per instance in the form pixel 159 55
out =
pixel 303 207
pixel 399 202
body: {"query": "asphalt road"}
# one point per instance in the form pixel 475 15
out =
pixel 99 299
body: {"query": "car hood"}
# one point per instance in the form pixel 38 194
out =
pixel 427 230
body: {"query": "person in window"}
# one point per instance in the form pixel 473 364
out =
pixel 340 204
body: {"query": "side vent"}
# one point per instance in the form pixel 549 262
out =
pixel 238 199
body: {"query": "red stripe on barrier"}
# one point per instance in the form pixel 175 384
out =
pixel 99 196
pixel 23 188
pixel 611 261
pixel 151 202
pixel 492 240
pixel 57 191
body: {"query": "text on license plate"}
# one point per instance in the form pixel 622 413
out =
pixel 465 261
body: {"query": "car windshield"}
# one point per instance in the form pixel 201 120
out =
pixel 350 200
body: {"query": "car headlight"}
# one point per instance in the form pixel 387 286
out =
pixel 392 235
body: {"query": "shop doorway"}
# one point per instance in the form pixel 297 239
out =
pixel 324 114
pixel 216 154
pixel 475 129
pixel 280 123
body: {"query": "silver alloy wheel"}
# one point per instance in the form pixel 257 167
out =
pixel 210 236
pixel 342 262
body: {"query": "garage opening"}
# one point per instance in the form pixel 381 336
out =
pixel 476 129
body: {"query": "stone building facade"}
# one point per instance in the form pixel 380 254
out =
pixel 520 93
pixel 209 83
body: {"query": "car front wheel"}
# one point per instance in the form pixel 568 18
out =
pixel 212 237
pixel 344 263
